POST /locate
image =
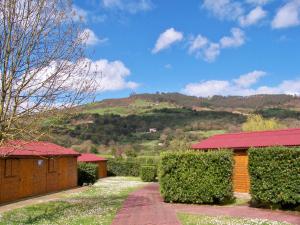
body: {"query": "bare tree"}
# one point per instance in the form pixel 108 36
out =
pixel 42 64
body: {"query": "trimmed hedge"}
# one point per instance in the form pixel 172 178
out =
pixel 121 167
pixel 275 176
pixel 196 177
pixel 87 173
pixel 148 173
pixel 129 166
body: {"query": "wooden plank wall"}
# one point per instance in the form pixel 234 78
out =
pixel 102 169
pixel 35 176
pixel 241 180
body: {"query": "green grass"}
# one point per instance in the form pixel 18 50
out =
pixel 139 106
pixel 97 205
pixel 189 219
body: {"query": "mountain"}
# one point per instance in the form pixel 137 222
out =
pixel 139 103
pixel 175 119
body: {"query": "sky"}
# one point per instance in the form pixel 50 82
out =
pixel 199 48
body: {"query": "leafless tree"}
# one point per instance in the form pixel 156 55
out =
pixel 42 64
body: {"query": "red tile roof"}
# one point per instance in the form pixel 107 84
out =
pixel 88 157
pixel 245 140
pixel 35 148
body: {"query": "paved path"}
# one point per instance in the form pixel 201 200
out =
pixel 146 207
pixel 39 199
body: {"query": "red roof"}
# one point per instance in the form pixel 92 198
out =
pixel 88 157
pixel 35 148
pixel 245 140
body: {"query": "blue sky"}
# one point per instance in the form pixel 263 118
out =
pixel 195 47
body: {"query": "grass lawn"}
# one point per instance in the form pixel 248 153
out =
pixel 96 205
pixel 189 219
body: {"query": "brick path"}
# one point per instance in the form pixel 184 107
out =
pixel 146 207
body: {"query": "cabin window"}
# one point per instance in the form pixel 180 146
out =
pixel 52 165
pixel 11 167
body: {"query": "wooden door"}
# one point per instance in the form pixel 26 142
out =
pixel 241 180
pixel 52 174
pixel 26 168
pixel 102 170
pixel 39 176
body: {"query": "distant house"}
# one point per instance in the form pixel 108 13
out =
pixel 152 130
pixel 92 158
pixel 241 142
pixel 34 168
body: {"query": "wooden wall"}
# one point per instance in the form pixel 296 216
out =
pixel 241 179
pixel 102 169
pixel 24 177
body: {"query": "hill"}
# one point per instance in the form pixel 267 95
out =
pixel 150 123
pixel 140 103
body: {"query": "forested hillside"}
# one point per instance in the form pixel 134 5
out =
pixel 150 123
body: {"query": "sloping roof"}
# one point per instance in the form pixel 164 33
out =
pixel 245 140
pixel 88 157
pixel 35 148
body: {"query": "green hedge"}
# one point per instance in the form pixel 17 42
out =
pixel 196 177
pixel 129 166
pixel 122 167
pixel 87 173
pixel 148 173
pixel 275 176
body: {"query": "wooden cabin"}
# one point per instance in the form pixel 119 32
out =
pixel 92 158
pixel 241 142
pixel 35 168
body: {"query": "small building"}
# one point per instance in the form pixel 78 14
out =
pixel 152 130
pixel 92 158
pixel 34 168
pixel 241 142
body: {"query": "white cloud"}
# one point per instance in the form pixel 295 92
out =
pixel 204 48
pixel 246 80
pixel 259 2
pixel 242 86
pixel 131 6
pixel 166 39
pixel 207 88
pixel 235 40
pixel 168 66
pixel 235 10
pixel 211 52
pixel 224 9
pixel 79 14
pixel 288 15
pixel 198 43
pixel 111 76
pixel 253 17
pixel 90 38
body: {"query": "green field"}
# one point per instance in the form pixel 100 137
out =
pixel 138 106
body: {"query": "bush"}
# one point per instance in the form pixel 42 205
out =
pixel 275 176
pixel 129 166
pixel 148 173
pixel 121 167
pixel 148 160
pixel 196 177
pixel 87 173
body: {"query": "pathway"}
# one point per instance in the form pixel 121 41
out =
pixel 146 207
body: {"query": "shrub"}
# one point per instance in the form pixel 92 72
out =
pixel 122 167
pixel 148 173
pixel 196 177
pixel 275 176
pixel 87 173
pixel 148 160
